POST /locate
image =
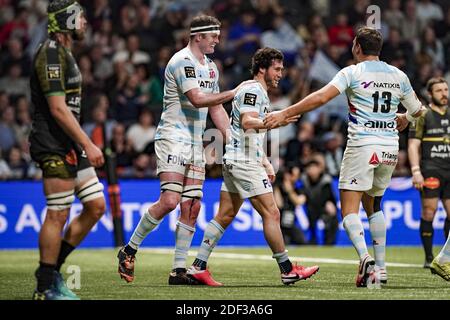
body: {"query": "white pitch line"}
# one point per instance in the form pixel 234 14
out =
pixel 244 256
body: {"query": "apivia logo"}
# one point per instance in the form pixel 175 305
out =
pixel 375 124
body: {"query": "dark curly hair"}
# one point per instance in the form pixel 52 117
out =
pixel 263 59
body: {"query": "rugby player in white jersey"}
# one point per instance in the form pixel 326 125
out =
pixel 191 89
pixel 374 90
pixel 248 173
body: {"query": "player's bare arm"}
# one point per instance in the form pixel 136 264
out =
pixel 221 120
pixel 311 102
pixel 200 99
pixel 414 160
pixel 269 169
pixel 70 125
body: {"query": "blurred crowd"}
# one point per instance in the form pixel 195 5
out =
pixel 129 43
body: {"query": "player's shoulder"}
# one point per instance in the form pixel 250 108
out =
pixel 251 87
pixel 379 66
pixel 49 47
pixel 181 57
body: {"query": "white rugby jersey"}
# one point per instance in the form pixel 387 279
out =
pixel 247 146
pixel 374 90
pixel 180 120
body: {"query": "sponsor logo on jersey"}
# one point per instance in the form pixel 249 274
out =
pixel 389 159
pixel 250 99
pixel 385 85
pixel 174 159
pixel 266 183
pixel 196 168
pixel 212 73
pixel 441 147
pixel 206 84
pixel 189 72
pixel 366 84
pixel 53 72
pixel 431 183
pixel 374 159
pixel 376 124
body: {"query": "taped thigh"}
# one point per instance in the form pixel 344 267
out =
pixel 174 186
pixel 90 190
pixel 192 192
pixel 60 201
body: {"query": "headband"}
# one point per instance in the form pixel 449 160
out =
pixel 205 29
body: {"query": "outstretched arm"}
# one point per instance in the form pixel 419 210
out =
pixel 311 102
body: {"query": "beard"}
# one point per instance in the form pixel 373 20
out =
pixel 439 103
pixel 78 35
pixel 271 83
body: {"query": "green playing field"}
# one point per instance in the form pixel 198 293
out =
pixel 248 273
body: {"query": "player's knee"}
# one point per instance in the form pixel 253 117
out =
pixel 57 217
pixel 274 215
pixel 96 208
pixel 428 213
pixel 170 202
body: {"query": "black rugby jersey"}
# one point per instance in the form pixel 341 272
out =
pixel 55 73
pixel 433 129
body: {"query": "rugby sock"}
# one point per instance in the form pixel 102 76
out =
pixel 355 232
pixel 183 239
pixel 66 249
pixel 129 250
pixel 45 276
pixel 444 254
pixel 283 261
pixel 213 234
pixel 446 227
pixel 199 264
pixel 426 234
pixel 377 228
pixel 145 226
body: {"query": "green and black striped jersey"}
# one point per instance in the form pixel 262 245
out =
pixel 55 73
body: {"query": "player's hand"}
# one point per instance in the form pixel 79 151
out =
pixel 402 122
pixel 274 119
pixel 417 180
pixel 94 155
pixel 290 120
pixel 269 170
pixel 271 178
